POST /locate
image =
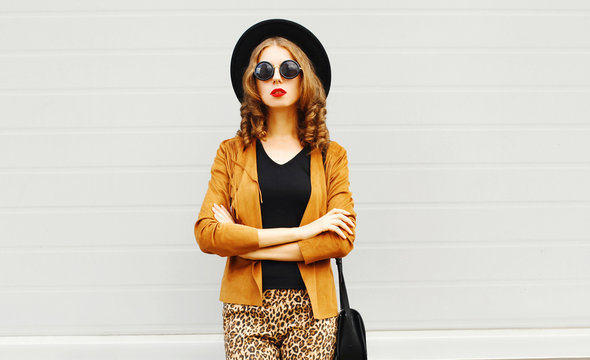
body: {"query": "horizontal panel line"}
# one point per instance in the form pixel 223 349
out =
pixel 126 288
pixel 443 205
pixel 217 89
pixel 51 330
pixel 463 89
pixel 102 209
pixel 188 90
pixel 388 334
pixel 433 49
pixel 170 248
pixel 143 130
pixel 360 244
pixel 351 285
pixel 134 249
pixel 564 205
pixel 327 12
pixel 502 204
pixel 466 244
pixel 365 128
pixel 379 325
pixel 473 166
pixel 397 50
pixel 164 169
pixel 443 50
pixel 123 51
pixel 116 338
pixel 106 89
pixel 359 205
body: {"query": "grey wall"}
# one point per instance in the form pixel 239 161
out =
pixel 466 125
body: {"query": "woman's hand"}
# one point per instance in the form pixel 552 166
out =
pixel 221 214
pixel 332 220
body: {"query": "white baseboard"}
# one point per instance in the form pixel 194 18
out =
pixel 480 344
pixel 426 345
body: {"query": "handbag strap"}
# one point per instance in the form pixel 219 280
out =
pixel 344 305
pixel 343 293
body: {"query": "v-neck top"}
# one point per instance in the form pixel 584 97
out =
pixel 286 189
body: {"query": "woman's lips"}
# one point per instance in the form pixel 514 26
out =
pixel 278 92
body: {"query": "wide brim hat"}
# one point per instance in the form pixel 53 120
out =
pixel 290 30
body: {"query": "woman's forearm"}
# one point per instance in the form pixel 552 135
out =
pixel 278 236
pixel 284 252
pixel 266 237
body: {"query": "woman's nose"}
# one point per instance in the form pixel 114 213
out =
pixel 277 76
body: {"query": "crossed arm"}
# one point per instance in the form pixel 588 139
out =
pixel 329 236
pixel 280 244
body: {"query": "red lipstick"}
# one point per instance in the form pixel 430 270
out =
pixel 278 92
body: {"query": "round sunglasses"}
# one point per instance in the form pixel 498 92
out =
pixel 289 69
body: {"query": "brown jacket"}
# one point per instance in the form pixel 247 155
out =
pixel 234 184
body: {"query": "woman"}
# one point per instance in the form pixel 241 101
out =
pixel 273 208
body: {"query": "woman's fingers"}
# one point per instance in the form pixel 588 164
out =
pixel 345 226
pixel 338 219
pixel 337 210
pixel 219 216
pixel 339 231
pixel 221 213
pixel 342 211
pixel 221 209
pixel 343 218
pixel 348 220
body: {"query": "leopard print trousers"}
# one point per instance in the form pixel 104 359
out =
pixel 282 328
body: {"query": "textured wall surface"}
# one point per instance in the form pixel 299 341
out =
pixel 467 126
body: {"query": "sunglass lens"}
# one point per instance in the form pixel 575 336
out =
pixel 289 69
pixel 263 71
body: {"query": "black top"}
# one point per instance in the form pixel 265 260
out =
pixel 286 189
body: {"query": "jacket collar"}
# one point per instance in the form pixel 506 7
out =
pixel 316 205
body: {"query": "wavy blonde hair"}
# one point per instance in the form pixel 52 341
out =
pixel 311 106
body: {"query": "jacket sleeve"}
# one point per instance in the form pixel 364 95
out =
pixel 329 244
pixel 213 237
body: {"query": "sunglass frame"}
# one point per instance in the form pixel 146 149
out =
pixel 299 70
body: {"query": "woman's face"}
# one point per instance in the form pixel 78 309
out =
pixel 276 55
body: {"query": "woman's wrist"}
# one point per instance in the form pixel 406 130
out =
pixel 278 236
pixel 302 232
pixel 284 252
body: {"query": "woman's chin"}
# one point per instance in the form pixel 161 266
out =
pixel 279 103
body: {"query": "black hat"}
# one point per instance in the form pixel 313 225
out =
pixel 290 30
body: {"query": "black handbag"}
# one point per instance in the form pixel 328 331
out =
pixel 351 341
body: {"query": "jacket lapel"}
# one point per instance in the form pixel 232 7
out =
pixel 316 205
pixel 249 196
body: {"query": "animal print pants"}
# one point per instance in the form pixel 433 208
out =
pixel 282 328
